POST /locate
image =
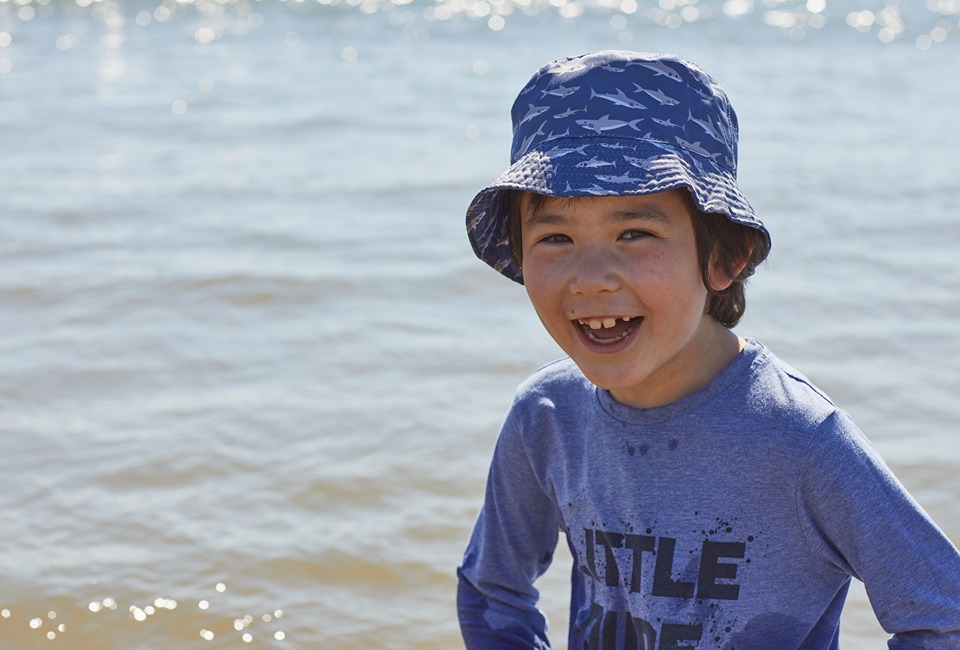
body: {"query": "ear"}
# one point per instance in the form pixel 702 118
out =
pixel 721 278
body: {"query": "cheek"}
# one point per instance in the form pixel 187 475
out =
pixel 664 270
pixel 676 284
pixel 546 295
pixel 541 277
pixel 536 287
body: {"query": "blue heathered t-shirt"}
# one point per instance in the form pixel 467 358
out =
pixel 733 518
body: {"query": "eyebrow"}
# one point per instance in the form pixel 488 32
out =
pixel 619 216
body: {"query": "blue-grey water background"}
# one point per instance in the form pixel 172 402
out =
pixel 251 373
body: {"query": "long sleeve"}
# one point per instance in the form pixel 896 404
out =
pixel 511 546
pixel 859 519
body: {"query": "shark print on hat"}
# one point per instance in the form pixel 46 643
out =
pixel 619 101
pixel 615 123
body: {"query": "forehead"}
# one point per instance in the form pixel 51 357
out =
pixel 663 206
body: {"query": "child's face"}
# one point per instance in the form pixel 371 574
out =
pixel 616 282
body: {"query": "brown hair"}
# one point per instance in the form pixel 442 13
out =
pixel 720 242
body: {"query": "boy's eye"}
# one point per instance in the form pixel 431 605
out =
pixel 635 234
pixel 555 239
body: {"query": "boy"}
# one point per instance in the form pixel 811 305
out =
pixel 711 496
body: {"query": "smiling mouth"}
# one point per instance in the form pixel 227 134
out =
pixel 609 329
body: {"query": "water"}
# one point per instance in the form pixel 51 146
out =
pixel 252 374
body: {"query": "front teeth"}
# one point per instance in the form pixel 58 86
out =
pixel 606 323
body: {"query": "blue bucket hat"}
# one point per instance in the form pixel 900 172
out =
pixel 615 123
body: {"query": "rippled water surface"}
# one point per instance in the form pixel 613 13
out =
pixel 251 373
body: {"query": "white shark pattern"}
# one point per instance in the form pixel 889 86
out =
pixel 607 124
pixel 659 145
pixel 595 189
pixel 667 123
pixel 560 91
pixel 704 97
pixel 476 220
pixel 625 178
pixel 641 163
pixel 697 149
pixel 701 76
pixel 662 69
pixel 525 145
pixel 592 189
pixel 595 162
pixel 658 95
pixel 620 99
pixel 708 127
pixel 569 112
pixel 501 265
pixel 559 152
pixel 533 112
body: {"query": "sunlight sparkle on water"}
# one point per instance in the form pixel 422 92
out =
pixel 67 42
pixel 246 626
pixel 205 35
pixel 236 17
pixel 737 7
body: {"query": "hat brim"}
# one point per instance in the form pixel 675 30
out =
pixel 602 166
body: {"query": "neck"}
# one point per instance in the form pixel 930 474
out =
pixel 713 351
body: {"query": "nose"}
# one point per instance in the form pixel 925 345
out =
pixel 594 272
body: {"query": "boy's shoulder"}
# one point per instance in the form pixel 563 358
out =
pixel 775 385
pixel 559 373
pixel 776 403
pixel 559 376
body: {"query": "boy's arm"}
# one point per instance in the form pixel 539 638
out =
pixel 511 546
pixel 861 520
